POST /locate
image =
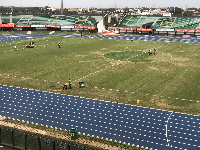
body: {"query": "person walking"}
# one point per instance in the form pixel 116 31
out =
pixel 70 82
pixel 154 51
pixel 59 45
pixel 149 52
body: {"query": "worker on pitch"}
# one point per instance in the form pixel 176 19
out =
pixel 154 51
pixel 70 82
pixel 59 45
pixel 15 48
pixel 149 52
pixel 65 86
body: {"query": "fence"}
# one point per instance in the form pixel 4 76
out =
pixel 32 141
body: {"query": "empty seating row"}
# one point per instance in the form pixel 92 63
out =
pixel 61 20
pixel 161 22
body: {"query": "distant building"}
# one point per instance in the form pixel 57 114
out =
pixel 74 9
pixel 155 12
pixel 98 12
pixel 51 9
pixel 145 12
pixel 119 10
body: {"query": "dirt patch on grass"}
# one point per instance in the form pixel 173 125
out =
pixel 168 57
pixel 103 49
pixel 1 118
pixel 180 59
pixel 84 61
pixel 153 68
pixel 81 55
pixel 167 104
pixel 96 53
pixel 116 51
pixel 23 79
pixel 159 57
pixel 163 70
pixel 162 103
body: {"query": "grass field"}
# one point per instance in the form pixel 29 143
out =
pixel 113 70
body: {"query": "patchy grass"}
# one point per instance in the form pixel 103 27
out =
pixel 168 80
pixel 132 56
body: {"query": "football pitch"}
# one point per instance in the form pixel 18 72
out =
pixel 116 70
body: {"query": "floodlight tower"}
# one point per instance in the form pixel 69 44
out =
pixel 61 7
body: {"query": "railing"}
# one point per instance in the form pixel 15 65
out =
pixel 31 141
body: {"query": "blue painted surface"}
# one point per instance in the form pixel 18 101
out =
pixel 10 37
pixel 126 123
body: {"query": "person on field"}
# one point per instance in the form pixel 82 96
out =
pixel 70 82
pixel 30 43
pixel 154 51
pixel 15 48
pixel 131 40
pixel 149 52
pixel 65 86
pixel 59 45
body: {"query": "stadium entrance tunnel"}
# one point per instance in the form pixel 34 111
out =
pixel 132 56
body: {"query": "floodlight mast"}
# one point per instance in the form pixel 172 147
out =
pixel 61 7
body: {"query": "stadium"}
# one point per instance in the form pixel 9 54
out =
pixel 146 25
pixel 133 87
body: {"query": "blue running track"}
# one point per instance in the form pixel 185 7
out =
pixel 145 127
pixel 10 37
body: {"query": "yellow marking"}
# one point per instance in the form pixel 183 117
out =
pixel 168 22
pixel 199 25
pixel 134 24
pixel 172 22
pixel 56 17
pixel 129 20
pixel 82 20
pixel 25 19
pixel 162 22
pixel 139 20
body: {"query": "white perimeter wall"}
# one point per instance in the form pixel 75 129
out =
pixel 100 25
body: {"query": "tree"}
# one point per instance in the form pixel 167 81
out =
pixel 176 11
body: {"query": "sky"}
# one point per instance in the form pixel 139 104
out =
pixel 102 3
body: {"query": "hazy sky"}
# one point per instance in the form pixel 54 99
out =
pixel 102 3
